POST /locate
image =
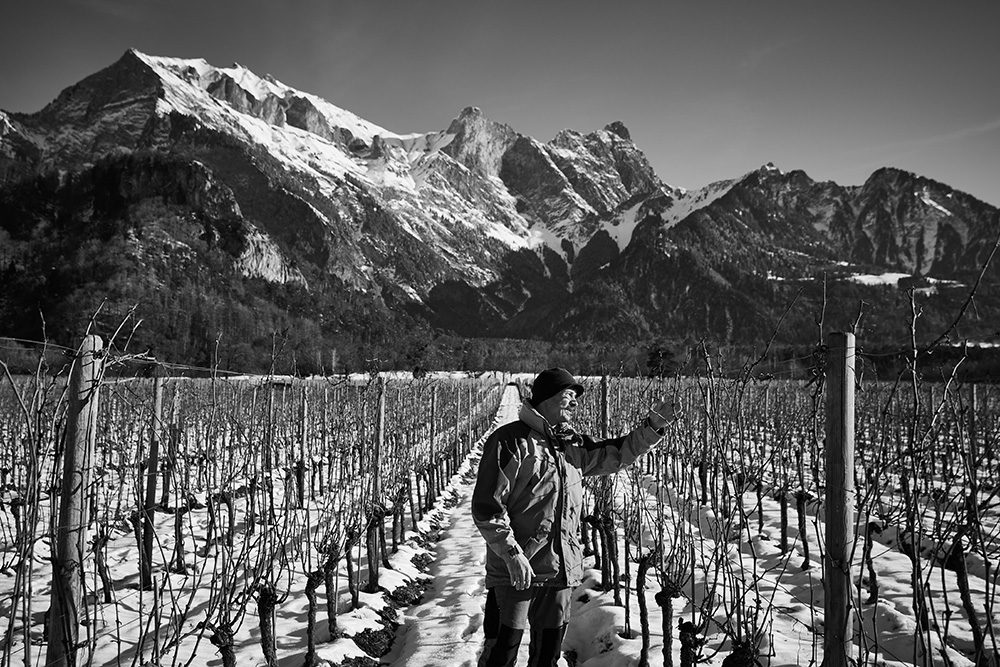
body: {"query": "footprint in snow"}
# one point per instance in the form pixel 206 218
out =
pixel 475 622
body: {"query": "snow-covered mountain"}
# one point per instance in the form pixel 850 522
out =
pixel 476 229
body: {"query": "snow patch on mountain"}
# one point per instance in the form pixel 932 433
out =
pixel 559 210
pixel 392 161
pixel 680 204
pixel 925 197
pixel 451 195
pixel 201 74
pixel 872 280
pixel 623 226
pixel 417 146
pixel 299 149
pixel 516 238
pixel 690 201
pixel 390 173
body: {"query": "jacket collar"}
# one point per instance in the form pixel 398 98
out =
pixel 559 435
pixel 534 419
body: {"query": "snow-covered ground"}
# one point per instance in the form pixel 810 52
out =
pixel 447 628
pixel 168 626
pixel 878 279
pixel 229 554
pixel 788 597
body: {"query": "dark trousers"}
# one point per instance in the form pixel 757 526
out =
pixel 509 612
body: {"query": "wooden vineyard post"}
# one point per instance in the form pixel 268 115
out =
pixel 839 511
pixel 71 532
pixel 468 431
pixel 377 511
pixel 267 458
pixel 412 480
pixel 449 463
pixel 432 457
pixel 973 462
pixel 451 460
pixel 327 453
pixel 152 471
pixel 300 466
pixel 173 438
pixel 610 575
pixel 605 417
pixel 706 434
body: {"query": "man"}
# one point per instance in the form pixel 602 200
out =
pixel 527 505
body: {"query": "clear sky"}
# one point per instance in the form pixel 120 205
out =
pixel 709 90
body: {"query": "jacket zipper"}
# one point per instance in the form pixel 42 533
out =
pixel 560 508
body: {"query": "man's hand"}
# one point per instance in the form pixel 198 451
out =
pixel 520 572
pixel 660 416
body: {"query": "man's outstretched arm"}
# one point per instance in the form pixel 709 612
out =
pixel 609 456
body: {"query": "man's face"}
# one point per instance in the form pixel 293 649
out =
pixel 558 408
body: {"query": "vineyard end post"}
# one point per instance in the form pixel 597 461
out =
pixel 839 510
pixel 152 472
pixel 605 417
pixel 375 525
pixel 71 532
pixel 379 442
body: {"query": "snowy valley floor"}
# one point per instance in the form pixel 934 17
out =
pixel 446 629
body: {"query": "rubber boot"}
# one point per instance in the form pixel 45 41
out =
pixel 491 626
pixel 545 647
pixel 503 653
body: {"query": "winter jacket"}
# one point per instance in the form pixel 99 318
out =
pixel 529 494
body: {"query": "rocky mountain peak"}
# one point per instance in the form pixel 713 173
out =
pixel 469 112
pixel 901 182
pixel 769 178
pixel 119 82
pixel 105 112
pixel 887 175
pixel 618 127
pixel 479 142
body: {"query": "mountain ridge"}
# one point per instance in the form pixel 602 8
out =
pixel 475 229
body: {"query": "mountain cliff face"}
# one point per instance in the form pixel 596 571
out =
pixel 916 225
pixel 161 176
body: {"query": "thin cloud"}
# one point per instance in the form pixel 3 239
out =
pixel 903 149
pixel 963 133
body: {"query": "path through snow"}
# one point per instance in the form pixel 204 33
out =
pixel 447 630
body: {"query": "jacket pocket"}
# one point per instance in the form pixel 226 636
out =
pixel 536 542
pixel 573 559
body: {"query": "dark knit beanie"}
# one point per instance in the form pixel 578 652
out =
pixel 550 382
